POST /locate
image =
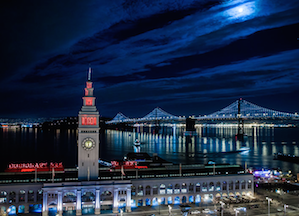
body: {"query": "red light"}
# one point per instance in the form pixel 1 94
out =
pixel 88 120
pixel 89 84
pixel 88 101
pixel 32 167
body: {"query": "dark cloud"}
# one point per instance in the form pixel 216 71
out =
pixel 185 56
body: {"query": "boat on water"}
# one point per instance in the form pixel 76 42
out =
pixel 136 142
pixel 243 149
pixel 286 157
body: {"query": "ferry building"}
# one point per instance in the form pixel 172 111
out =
pixel 141 180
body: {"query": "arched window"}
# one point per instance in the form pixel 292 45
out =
pixel 230 185
pixel 133 190
pixel 184 188
pixel 147 201
pixel 177 189
pixel 30 195
pixel 3 198
pixel 243 184
pixel 169 189
pixel 155 189
pixel 224 186
pixel 204 187
pixel 249 184
pixel 218 186
pixel 197 187
pixel 237 185
pixel 140 190
pixel 88 197
pixel 162 189
pixel 12 197
pixel 39 195
pixel 69 197
pixel 106 196
pixel 22 196
pixel 148 190
pixel 211 186
pixel 191 187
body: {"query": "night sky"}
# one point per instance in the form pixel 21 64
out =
pixel 187 57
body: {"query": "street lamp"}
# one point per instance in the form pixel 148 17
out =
pixel 269 200
pixel 237 211
pixel 285 208
pixel 159 201
pixel 222 204
pixel 169 210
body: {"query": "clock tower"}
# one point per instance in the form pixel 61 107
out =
pixel 88 136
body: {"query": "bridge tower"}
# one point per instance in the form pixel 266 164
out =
pixel 157 122
pixel 240 134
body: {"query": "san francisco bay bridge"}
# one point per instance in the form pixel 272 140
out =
pixel 239 110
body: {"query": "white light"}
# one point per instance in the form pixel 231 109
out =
pixel 240 9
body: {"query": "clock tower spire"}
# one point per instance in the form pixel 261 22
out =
pixel 88 135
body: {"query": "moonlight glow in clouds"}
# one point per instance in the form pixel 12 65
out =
pixel 187 57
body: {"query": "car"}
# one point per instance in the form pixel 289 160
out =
pixel 195 212
pixel 279 210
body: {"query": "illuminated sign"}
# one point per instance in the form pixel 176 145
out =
pixel 88 120
pixel 32 167
pixel 126 165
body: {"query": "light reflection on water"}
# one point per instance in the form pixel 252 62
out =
pixel 211 143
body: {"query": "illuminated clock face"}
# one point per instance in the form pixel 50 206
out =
pixel 88 143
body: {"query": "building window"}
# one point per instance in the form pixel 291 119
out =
pixel 140 190
pixel 12 197
pixel 249 184
pixel 30 195
pixel 211 186
pixel 191 187
pixel 237 185
pixel 243 184
pixel 218 186
pixel 162 189
pixel 184 188
pixel 3 198
pixel 177 189
pixel 22 196
pixel 133 190
pixel 155 189
pixel 197 187
pixel 224 186
pixel 169 189
pixel 148 190
pixel 230 185
pixel 204 187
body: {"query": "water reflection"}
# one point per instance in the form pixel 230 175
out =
pixel 211 143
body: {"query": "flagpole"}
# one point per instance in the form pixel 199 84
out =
pixel 180 169
pixel 213 169
pixel 53 174
pixel 35 175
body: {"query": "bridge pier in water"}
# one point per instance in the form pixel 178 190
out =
pixel 190 126
pixel 240 133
